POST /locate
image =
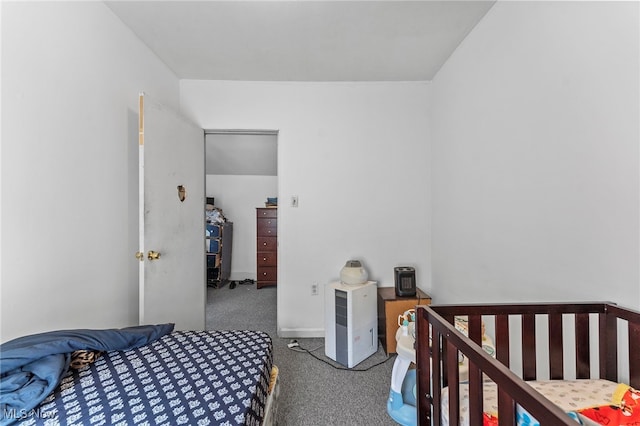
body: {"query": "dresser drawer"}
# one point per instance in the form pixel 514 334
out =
pixel 267 244
pixel 267 259
pixel 267 273
pixel 267 227
pixel 267 213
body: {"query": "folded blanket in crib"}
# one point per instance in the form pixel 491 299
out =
pixel 624 408
pixel 32 366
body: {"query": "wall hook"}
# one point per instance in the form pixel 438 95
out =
pixel 182 193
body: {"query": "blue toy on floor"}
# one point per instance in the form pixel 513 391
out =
pixel 402 406
pixel 402 402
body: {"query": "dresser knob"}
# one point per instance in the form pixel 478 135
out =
pixel 264 244
pixel 264 259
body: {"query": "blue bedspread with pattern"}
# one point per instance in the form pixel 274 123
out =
pixel 183 378
pixel 32 366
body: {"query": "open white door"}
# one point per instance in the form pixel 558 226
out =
pixel 171 253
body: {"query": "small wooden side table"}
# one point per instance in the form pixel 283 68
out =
pixel 389 307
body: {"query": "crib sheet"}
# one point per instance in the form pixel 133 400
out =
pixel 569 395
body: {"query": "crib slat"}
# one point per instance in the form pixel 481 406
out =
pixel 475 328
pixel 423 368
pixel 634 354
pixel 583 356
pixel 475 375
pixel 475 395
pixel 506 409
pixel 556 363
pixel 436 383
pixel 445 359
pixel 529 346
pixel 454 385
pixel 608 347
pixel 502 339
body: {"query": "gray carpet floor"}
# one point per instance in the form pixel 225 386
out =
pixel 312 392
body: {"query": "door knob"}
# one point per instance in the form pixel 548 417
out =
pixel 153 255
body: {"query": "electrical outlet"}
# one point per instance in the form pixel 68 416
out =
pixel 294 201
pixel 314 289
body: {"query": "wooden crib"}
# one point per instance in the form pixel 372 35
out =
pixel 438 345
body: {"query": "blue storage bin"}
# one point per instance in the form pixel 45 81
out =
pixel 213 230
pixel 213 245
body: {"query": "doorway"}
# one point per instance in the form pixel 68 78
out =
pixel 241 172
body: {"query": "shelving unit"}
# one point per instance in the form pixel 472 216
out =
pixel 218 242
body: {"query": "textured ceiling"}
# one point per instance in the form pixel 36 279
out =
pixel 302 40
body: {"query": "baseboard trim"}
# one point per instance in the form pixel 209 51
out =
pixel 300 332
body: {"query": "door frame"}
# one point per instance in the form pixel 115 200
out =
pixel 264 132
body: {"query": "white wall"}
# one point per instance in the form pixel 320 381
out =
pixel 71 73
pixel 535 164
pixel 357 156
pixel 238 196
pixel 535 156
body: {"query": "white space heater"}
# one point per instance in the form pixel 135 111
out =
pixel 351 322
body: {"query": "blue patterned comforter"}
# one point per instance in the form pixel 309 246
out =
pixel 183 378
pixel 32 366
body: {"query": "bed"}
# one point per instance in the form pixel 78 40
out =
pixel 161 378
pixel 548 345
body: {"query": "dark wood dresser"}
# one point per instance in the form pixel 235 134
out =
pixel 267 247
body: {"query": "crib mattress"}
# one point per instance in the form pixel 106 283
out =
pixel 569 395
